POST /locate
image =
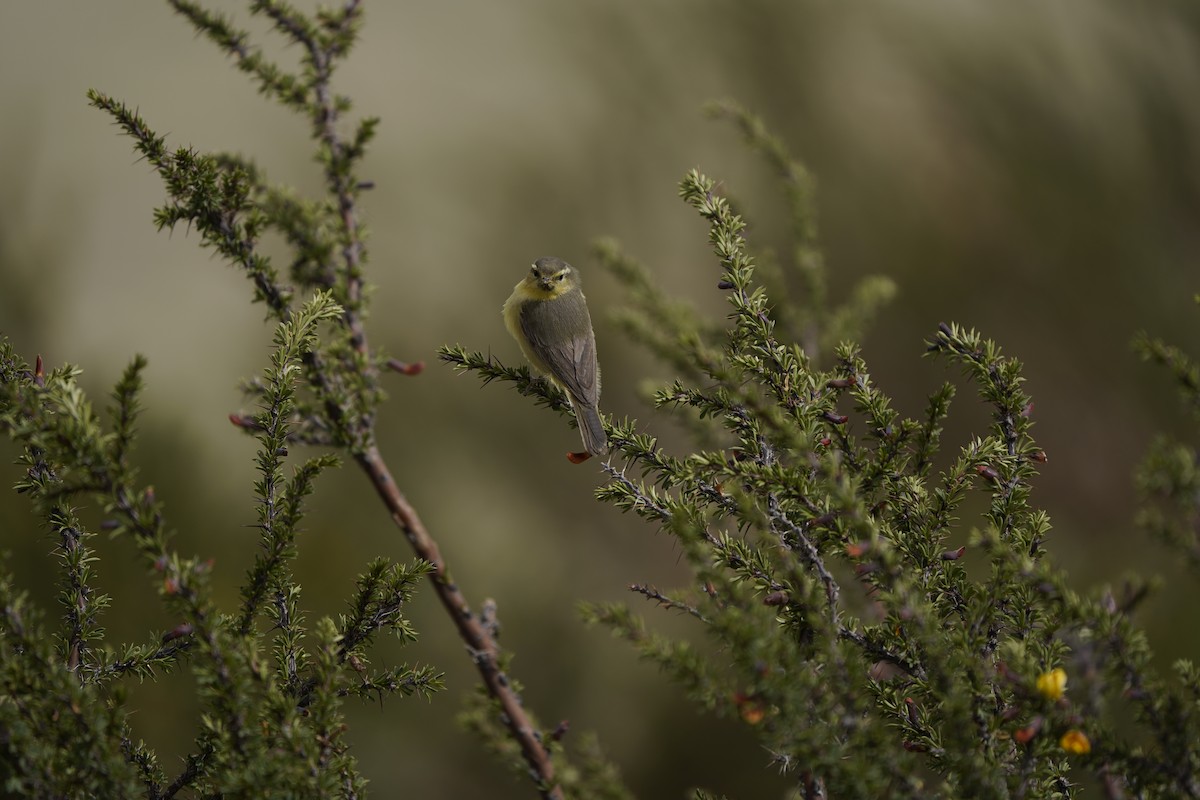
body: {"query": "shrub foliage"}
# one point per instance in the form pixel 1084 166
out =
pixel 884 613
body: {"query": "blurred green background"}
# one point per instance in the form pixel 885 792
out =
pixel 1026 168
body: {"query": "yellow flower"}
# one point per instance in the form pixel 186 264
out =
pixel 1052 684
pixel 1076 742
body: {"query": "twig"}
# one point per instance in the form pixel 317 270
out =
pixel 881 653
pixel 474 634
pixel 811 553
pixel 651 593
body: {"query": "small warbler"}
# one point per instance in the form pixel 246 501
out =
pixel 547 314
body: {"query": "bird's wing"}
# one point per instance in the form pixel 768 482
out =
pixel 560 333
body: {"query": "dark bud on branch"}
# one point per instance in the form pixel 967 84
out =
pixel 987 472
pixel 776 599
pixel 910 706
pixel 178 632
pixel 954 555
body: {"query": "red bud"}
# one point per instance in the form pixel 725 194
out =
pixel 987 472
pixel 404 368
pixel 954 555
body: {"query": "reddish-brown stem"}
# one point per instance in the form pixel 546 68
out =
pixel 475 635
pixel 479 641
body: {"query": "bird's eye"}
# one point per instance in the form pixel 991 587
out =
pixel 561 275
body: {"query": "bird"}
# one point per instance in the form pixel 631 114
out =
pixel 548 316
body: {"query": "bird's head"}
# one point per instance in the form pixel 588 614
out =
pixel 552 276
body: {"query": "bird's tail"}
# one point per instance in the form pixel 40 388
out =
pixel 595 440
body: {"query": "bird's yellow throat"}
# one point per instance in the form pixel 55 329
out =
pixel 530 290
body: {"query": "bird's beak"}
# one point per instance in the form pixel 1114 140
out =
pixel 544 284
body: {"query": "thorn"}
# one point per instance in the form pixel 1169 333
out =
pixel 836 419
pixel 953 555
pixel 404 368
pixel 39 376
pixel 839 383
pixel 578 458
pixel 944 328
